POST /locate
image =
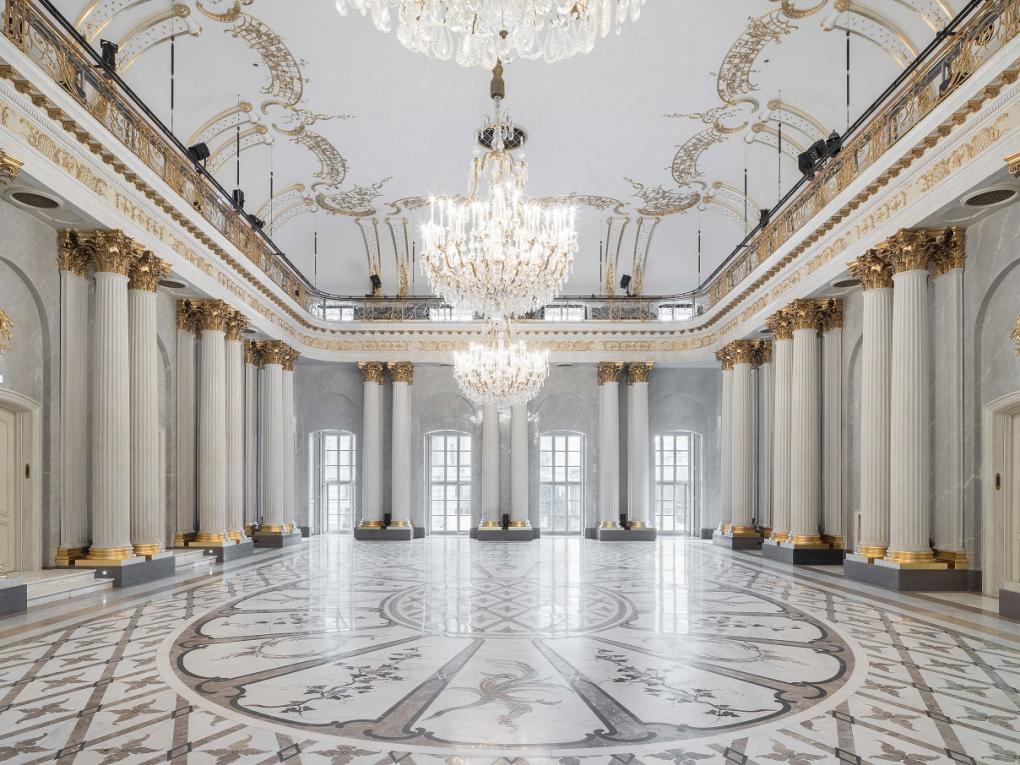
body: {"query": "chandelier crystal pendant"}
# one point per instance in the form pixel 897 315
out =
pixel 500 372
pixel 478 32
pixel 494 253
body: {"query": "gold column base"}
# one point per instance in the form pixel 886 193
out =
pixel 181 538
pixel 918 559
pixel 871 552
pixel 272 528
pixel 148 550
pixel 235 536
pixel 835 541
pixel 954 558
pixel 520 524
pixel 249 529
pixel 66 556
pixel 289 527
pixel 370 525
pixel 107 555
pixel 208 538
pixel 608 525
pixel 807 541
pixel 765 531
pixel 401 524
pixel 639 525
pixel 725 527
pixel 737 530
pixel 490 525
pixel 780 536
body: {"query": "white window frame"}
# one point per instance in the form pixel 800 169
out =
pixel 680 311
pixel 456 477
pixel 448 313
pixel 667 484
pixel 556 480
pixel 323 483
pixel 564 312
pixel 331 310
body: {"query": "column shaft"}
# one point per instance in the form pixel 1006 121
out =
pixel 832 434
pixel 638 467
pixel 400 450
pixel 609 445
pixel 251 429
pixel 74 377
pixel 948 384
pixel 490 467
pixel 783 350
pixel 371 464
pixel 725 449
pixel 742 449
pixel 805 456
pixel 212 439
pixel 271 431
pixel 765 434
pixel 147 516
pixel 186 427
pixel 519 485
pixel 235 435
pixel 290 448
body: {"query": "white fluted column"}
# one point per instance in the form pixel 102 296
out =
pixel 638 499
pixel 212 317
pixel 875 275
pixel 909 431
pixel 742 438
pixel 289 443
pixel 519 484
pixel 251 437
pixel 782 350
pixel 725 441
pixel 111 422
pixel 187 417
pixel 402 375
pixel 74 412
pixel 490 468
pixel 235 406
pixel 609 443
pixel 832 425
pixel 948 384
pixel 371 438
pixel 147 514
pixel 805 430
pixel 272 355
pixel 764 436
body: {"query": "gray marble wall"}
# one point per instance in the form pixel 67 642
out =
pixel 330 396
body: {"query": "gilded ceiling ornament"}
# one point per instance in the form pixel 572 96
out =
pixel 401 253
pixel 639 371
pixel 780 326
pixel 356 202
pixel 154 30
pixel 608 371
pixel 407 203
pixel 372 371
pixel 298 117
pixel 871 25
pixel 212 315
pixel 797 118
pixel 233 13
pixel 228 119
pixel 658 201
pixel 685 162
pixel 872 269
pixel 9 168
pixel 146 272
pixel 6 331
pixel 594 201
pixel 286 82
pixel 791 11
pixel 711 116
pixel 401 371
pixel 733 82
pixel 250 137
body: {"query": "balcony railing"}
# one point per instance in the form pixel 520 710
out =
pixel 975 35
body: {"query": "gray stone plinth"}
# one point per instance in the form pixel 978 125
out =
pixel 626 535
pixel 267 539
pixel 591 533
pixel 13 595
pixel 132 571
pixel 908 579
pixel 784 552
pixel 731 542
pixel 510 535
pixel 227 552
pixel 1009 604
pixel 401 534
pixel 419 532
pixel 707 533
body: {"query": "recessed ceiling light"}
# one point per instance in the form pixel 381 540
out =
pixel 35 199
pixel 989 197
pixel 846 283
pixel 170 284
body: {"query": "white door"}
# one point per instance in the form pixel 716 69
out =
pixel 8 491
pixel 1011 525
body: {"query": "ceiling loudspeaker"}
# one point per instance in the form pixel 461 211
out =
pixel 35 199
pixel 376 281
pixel 199 152
pixel 989 197
pixel 625 281
pixel 238 196
pixel 256 221
pixel 109 54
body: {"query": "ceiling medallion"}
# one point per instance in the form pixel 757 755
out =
pixel 478 32
pixel 495 253
pixel 500 372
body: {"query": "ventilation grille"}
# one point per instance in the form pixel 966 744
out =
pixel 846 283
pixel 170 284
pixel 32 199
pixel 990 197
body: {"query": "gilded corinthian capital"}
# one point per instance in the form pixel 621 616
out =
pixel 725 358
pixel 805 313
pixel 146 272
pixel 401 371
pixel 9 168
pixel 268 352
pixel 237 323
pixel 639 372
pixel 779 325
pixel 71 256
pixel 872 269
pixel 186 317
pixel 212 315
pixel 832 314
pixel 608 371
pixel 107 251
pixel 372 371
pixel 290 358
pixel 742 351
pixel 949 249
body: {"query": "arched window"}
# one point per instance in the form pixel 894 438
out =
pixel 561 481
pixel 677 462
pixel 449 478
pixel 334 459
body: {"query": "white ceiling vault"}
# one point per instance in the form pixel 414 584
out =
pixel 651 132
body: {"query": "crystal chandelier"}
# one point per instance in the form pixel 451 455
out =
pixel 497 254
pixel 500 373
pixel 478 32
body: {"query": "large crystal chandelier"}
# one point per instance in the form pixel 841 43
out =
pixel 500 372
pixel 478 32
pixel 495 253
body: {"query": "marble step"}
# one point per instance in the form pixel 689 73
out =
pixel 63 584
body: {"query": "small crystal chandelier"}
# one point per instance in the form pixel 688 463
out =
pixel 500 372
pixel 478 32
pixel 498 255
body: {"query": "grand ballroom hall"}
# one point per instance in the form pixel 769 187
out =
pixel 509 382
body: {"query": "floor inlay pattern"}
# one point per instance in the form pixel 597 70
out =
pixel 559 651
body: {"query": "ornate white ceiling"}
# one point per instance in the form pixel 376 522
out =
pixel 652 131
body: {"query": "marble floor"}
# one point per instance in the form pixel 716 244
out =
pixel 558 651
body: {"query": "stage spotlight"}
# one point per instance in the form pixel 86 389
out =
pixel 376 282
pixel 238 196
pixel 256 221
pixel 199 152
pixel 764 216
pixel 625 282
pixel 109 54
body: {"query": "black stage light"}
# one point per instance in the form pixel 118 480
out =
pixel 818 152
pixel 764 216
pixel 505 523
pixel 257 222
pixel 387 519
pixel 625 281
pixel 238 196
pixel 109 54
pixel 199 152
pixel 376 282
